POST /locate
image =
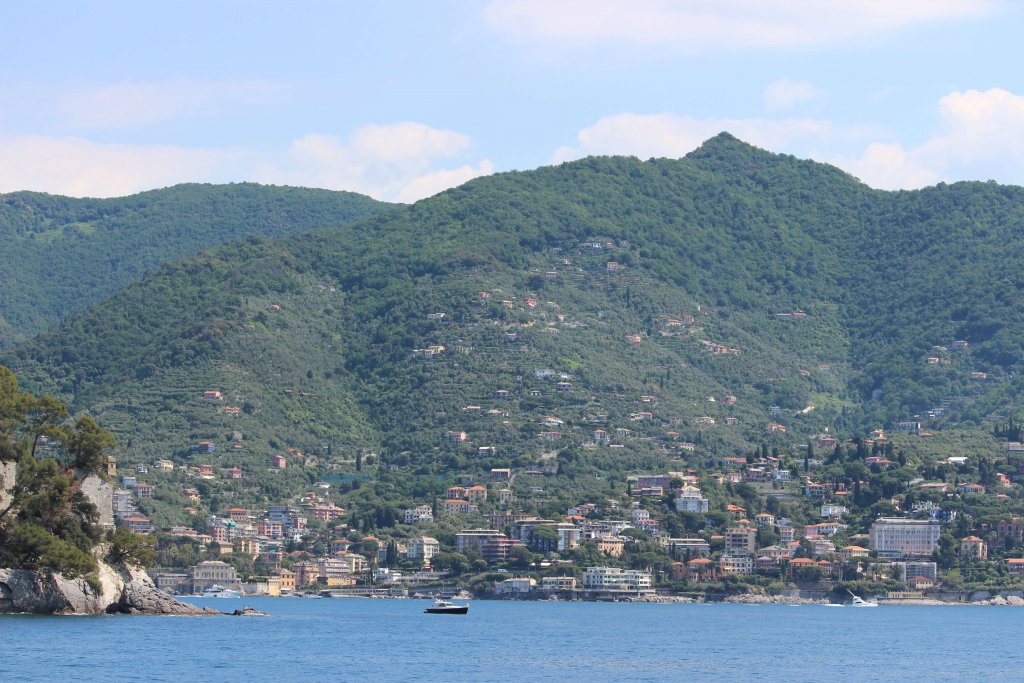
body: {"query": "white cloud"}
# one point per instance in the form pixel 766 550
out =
pixel 889 166
pixel 130 104
pixel 786 94
pixel 981 137
pixel 82 168
pixel 431 183
pixel 401 162
pixel 396 162
pixel 716 23
pixel 668 135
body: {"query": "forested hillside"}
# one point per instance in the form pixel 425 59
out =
pixel 61 255
pixel 688 308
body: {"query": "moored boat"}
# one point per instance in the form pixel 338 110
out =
pixel 217 591
pixel 445 607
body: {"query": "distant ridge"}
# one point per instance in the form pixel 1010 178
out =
pixel 811 299
pixel 61 254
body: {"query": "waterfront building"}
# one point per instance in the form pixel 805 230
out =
pixel 515 586
pixel 617 580
pixel 558 583
pixel 895 537
pixel 212 572
pixel 736 564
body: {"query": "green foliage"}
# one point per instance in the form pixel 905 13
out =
pixel 31 543
pixel 88 445
pixel 62 255
pixel 322 339
pixel 47 520
pixel 130 549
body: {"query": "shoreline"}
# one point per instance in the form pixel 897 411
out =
pixel 739 599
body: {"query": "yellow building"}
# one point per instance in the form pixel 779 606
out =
pixel 610 545
pixel 247 546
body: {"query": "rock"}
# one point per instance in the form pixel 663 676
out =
pixel 249 612
pixel 140 595
pixel 101 494
pixel 762 598
pixel 122 590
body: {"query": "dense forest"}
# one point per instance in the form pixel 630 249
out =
pixel 62 255
pixel 728 300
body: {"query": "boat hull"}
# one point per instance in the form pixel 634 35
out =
pixel 458 609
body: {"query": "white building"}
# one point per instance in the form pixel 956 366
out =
pixel 894 537
pixel 690 499
pixel 515 586
pixel 830 511
pixel 422 548
pixel 618 580
pixel 423 513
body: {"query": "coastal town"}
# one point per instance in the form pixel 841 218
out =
pixel 754 525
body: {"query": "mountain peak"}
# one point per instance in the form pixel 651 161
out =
pixel 727 147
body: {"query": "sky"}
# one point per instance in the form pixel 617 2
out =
pixel 400 100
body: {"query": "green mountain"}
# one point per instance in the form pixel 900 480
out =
pixel 62 255
pixel 689 308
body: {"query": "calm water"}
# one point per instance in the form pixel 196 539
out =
pixel 355 639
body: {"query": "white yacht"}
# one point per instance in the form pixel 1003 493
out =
pixel 218 591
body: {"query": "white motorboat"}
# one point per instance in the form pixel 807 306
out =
pixel 217 591
pixel 861 602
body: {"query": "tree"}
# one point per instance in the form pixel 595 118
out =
pixel 520 557
pixel 88 444
pixel 130 549
pixel 44 417
pixel 545 538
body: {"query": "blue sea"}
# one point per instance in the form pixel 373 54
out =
pixel 393 640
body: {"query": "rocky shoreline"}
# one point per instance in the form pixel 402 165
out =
pixel 762 598
pixel 123 590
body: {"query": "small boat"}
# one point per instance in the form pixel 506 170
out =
pixel 216 591
pixel 445 607
pixel 861 602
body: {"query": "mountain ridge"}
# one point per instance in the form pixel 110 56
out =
pixel 62 254
pixel 810 299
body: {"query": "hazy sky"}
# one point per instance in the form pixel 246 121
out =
pixel 400 100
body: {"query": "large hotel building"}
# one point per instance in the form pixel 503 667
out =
pixel 894 537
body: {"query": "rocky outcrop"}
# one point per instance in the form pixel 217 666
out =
pixel 123 590
pixel 8 473
pixel 760 597
pixel 248 612
pixel 101 494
